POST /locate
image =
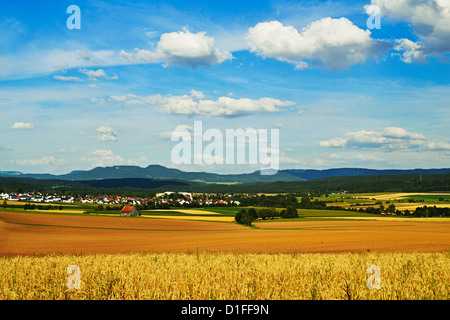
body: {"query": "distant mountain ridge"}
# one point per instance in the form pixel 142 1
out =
pixel 311 174
pixel 156 172
pixel 161 172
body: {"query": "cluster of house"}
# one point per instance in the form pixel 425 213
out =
pixel 32 197
pixel 188 198
pixel 182 198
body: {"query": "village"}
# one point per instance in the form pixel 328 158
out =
pixel 164 199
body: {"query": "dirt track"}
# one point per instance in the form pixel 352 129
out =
pixel 25 233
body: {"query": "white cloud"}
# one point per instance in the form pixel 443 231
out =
pixel 126 56
pixel 106 134
pixel 412 51
pixel 181 48
pixel 45 160
pixel 63 78
pixel 195 104
pixel 335 142
pixel 400 133
pixel 330 43
pixel 430 20
pixel 22 126
pixel 389 139
pixel 93 75
pixel 99 102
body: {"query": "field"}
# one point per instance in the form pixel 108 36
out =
pixel 214 276
pixel 163 254
pixel 38 233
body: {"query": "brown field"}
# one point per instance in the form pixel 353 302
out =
pixel 27 234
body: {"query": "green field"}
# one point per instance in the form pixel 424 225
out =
pixel 430 198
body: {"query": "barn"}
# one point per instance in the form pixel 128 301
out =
pixel 128 211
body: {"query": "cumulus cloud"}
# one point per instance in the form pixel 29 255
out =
pixel 22 126
pixel 181 48
pixel 334 142
pixel 196 104
pixel 330 43
pixel 410 51
pixel 430 20
pixel 389 139
pixel 106 134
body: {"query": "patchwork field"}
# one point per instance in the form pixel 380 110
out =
pixel 163 254
pixel 30 233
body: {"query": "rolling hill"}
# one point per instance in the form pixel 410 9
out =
pixel 161 172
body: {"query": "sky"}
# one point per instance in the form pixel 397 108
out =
pixel 345 83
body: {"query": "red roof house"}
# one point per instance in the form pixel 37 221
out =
pixel 128 211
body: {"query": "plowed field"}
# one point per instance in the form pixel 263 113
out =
pixel 26 233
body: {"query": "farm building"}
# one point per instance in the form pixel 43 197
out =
pixel 129 211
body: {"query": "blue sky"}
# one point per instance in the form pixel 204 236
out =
pixel 111 92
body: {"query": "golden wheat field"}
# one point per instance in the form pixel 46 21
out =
pixel 218 276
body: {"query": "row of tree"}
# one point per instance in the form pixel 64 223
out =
pixel 424 211
pixel 247 217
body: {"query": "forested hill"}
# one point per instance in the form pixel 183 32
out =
pixel 351 184
pixel 161 172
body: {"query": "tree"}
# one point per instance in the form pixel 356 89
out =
pixel 391 208
pixel 290 212
pixel 305 202
pixel 247 220
pixel 5 204
pixel 239 215
pixel 267 213
pixel 244 217
pixel 252 212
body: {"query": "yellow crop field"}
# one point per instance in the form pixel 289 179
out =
pixel 194 218
pixel 217 276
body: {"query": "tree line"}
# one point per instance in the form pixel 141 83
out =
pixel 246 217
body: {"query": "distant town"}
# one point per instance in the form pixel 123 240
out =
pixel 167 198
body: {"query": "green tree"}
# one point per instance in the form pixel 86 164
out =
pixel 239 215
pixel 252 212
pixel 305 202
pixel 290 212
pixel 244 217
pixel 247 219
pixel 391 208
